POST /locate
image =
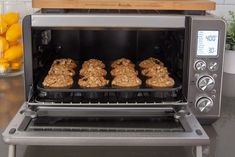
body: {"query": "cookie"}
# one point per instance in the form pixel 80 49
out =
pixel 150 62
pixel 92 71
pixel 65 62
pixel 122 70
pixel 126 81
pixel 61 70
pixel 57 81
pixel 160 82
pixel 92 82
pixel 93 63
pixel 122 62
pixel 155 71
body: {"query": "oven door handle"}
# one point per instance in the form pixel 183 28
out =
pixel 103 111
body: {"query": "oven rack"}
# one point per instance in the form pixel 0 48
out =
pixel 108 93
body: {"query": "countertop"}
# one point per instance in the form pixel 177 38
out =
pixel 221 133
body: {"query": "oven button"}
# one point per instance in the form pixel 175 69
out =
pixel 213 66
pixel 206 83
pixel 204 104
pixel 200 65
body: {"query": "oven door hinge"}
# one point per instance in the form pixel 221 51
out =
pixel 181 113
pixel 30 95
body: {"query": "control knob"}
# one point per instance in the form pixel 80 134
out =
pixel 204 104
pixel 206 83
pixel 200 65
pixel 213 66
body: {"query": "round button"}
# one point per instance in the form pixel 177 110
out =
pixel 200 65
pixel 204 104
pixel 213 91
pixel 213 66
pixel 206 83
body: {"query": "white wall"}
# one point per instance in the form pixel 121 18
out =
pixel 223 6
pixel 24 6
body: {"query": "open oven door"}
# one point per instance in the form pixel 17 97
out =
pixel 109 126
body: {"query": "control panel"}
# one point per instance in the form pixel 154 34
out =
pixel 206 66
pixel 205 71
pixel 205 75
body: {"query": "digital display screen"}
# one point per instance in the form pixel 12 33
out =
pixel 207 43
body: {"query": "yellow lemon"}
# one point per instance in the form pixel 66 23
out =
pixel 2 60
pixel 14 33
pixel 13 43
pixel 3 44
pixel 4 65
pixel 14 53
pixel 11 18
pixel 16 65
pixel 3 26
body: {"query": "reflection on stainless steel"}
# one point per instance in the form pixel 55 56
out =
pixel 11 98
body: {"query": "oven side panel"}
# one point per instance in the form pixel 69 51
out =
pixel 28 65
pixel 205 83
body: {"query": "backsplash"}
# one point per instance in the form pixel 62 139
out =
pixel 223 6
pixel 24 6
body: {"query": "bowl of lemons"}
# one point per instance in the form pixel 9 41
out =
pixel 11 48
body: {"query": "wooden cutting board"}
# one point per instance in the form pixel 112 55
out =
pixel 127 4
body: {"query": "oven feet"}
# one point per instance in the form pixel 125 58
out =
pixel 12 151
pixel 198 151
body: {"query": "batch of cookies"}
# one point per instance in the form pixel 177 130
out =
pixel 94 75
pixel 124 74
pixel 60 74
pixel 156 73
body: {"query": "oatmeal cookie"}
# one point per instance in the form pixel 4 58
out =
pixel 122 70
pixel 92 82
pixel 92 71
pixel 150 62
pixel 61 70
pixel 160 82
pixel 94 63
pixel 126 81
pixel 65 62
pixel 57 81
pixel 122 62
pixel 155 71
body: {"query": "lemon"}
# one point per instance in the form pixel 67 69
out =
pixel 3 26
pixel 4 65
pixel 14 53
pixel 3 44
pixel 2 60
pixel 16 65
pixel 11 18
pixel 13 43
pixel 14 33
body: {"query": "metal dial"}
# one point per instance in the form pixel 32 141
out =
pixel 204 104
pixel 200 65
pixel 206 83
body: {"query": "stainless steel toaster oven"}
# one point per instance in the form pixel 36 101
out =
pixel 190 45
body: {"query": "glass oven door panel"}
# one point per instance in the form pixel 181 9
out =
pixel 178 129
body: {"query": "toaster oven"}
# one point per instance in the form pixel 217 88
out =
pixel 191 47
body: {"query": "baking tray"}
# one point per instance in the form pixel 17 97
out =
pixel 108 91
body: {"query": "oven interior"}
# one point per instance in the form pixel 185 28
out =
pixel 108 44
